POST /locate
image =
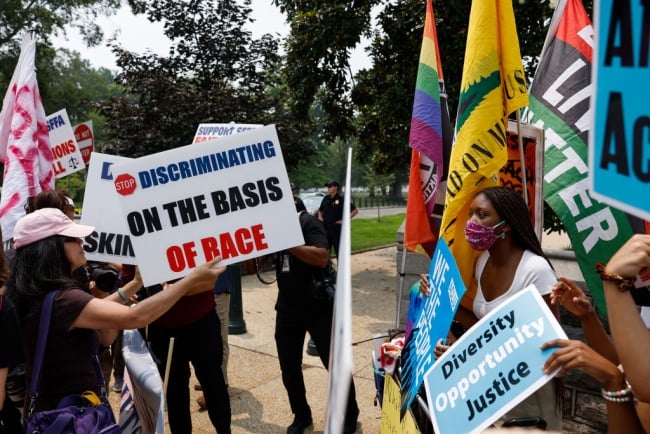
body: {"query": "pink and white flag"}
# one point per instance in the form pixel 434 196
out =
pixel 24 141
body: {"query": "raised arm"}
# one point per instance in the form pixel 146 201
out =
pixel 100 314
pixel 572 354
pixel 631 337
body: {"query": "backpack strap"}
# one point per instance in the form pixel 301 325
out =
pixel 41 341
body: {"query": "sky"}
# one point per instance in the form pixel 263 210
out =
pixel 137 34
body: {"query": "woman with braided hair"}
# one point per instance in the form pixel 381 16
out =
pixel 499 226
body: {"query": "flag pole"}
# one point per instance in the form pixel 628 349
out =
pixel 400 288
pixel 522 158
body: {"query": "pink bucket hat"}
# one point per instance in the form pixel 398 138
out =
pixel 44 223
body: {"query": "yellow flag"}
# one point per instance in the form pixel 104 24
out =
pixel 492 87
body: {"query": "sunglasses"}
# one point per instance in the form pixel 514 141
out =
pixel 70 239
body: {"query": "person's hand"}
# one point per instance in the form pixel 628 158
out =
pixel 441 347
pixel 630 259
pixel 569 295
pixel 424 284
pixel 574 354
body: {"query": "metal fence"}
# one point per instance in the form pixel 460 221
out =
pixel 374 202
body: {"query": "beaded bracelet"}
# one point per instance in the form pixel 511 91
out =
pixel 124 298
pixel 623 283
pixel 624 395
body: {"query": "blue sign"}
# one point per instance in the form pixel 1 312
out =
pixel 493 366
pixel 619 149
pixel 433 322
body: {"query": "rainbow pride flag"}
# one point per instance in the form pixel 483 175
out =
pixel 430 137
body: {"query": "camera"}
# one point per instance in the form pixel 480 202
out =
pixel 323 289
pixel 104 276
pixel 323 283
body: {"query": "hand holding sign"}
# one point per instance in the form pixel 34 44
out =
pixel 493 366
pixel 574 354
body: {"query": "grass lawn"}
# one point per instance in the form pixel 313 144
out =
pixel 370 232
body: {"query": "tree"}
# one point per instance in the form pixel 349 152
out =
pixel 384 94
pixel 74 84
pixel 215 72
pixel 323 32
pixel 45 17
pixel 318 50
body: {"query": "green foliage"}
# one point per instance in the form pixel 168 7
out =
pixel 75 185
pixel 215 72
pixel 46 17
pixel 73 83
pixel 372 232
pixel 378 185
pixel 317 60
pixel 384 94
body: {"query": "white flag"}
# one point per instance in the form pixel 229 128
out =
pixel 24 141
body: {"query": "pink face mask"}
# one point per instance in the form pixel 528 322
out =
pixel 482 237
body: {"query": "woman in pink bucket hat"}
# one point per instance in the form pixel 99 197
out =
pixel 48 248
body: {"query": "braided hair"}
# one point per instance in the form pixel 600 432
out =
pixel 511 207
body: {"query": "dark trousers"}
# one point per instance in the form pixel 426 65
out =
pixel 198 343
pixel 118 358
pixel 333 237
pixel 290 331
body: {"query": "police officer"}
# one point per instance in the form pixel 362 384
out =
pixel 331 214
pixel 301 308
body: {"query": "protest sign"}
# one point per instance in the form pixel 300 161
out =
pixel 390 420
pixel 110 242
pixel 207 132
pixel 67 158
pixel 493 366
pixel 433 321
pixel 618 150
pixel 341 365
pixel 185 206
pixel 85 137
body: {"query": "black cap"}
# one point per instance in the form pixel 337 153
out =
pixel 332 184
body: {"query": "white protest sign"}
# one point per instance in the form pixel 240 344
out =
pixel 207 132
pixel 85 137
pixel 101 208
pixel 494 366
pixel 341 364
pixel 187 205
pixel 67 158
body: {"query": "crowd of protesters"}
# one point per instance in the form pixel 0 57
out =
pixel 47 256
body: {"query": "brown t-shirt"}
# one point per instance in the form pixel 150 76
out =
pixel 67 367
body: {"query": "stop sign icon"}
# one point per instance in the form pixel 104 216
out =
pixel 83 133
pixel 125 184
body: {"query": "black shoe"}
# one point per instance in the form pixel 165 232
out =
pixel 311 348
pixel 299 424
